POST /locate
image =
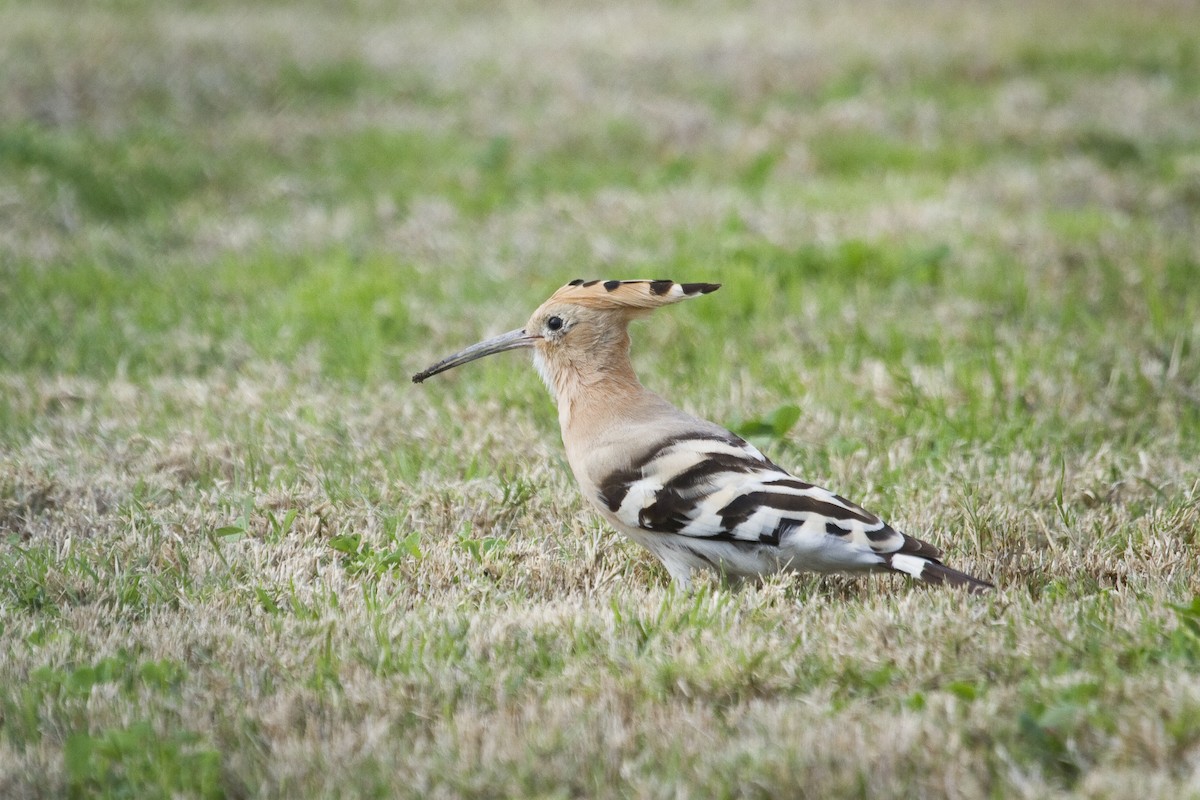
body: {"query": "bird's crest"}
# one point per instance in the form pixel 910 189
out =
pixel 629 295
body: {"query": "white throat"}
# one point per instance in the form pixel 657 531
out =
pixel 562 389
pixel 543 369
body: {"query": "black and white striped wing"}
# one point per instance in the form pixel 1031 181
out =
pixel 723 489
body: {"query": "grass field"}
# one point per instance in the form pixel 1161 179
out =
pixel 242 556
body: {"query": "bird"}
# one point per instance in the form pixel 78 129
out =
pixel 697 496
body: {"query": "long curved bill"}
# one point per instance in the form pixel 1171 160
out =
pixel 497 344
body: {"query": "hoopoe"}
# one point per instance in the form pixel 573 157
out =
pixel 694 494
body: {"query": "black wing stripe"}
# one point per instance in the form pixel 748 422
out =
pixel 856 507
pixel 881 534
pixel 743 507
pixel 667 514
pixel 919 547
pixel 715 464
pixel 791 483
pixel 615 485
pixel 834 529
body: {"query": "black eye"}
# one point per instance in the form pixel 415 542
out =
pixel 554 323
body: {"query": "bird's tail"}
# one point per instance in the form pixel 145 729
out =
pixel 932 571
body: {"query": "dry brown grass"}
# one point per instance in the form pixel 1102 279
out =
pixel 243 557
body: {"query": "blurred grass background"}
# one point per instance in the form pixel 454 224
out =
pixel 962 239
